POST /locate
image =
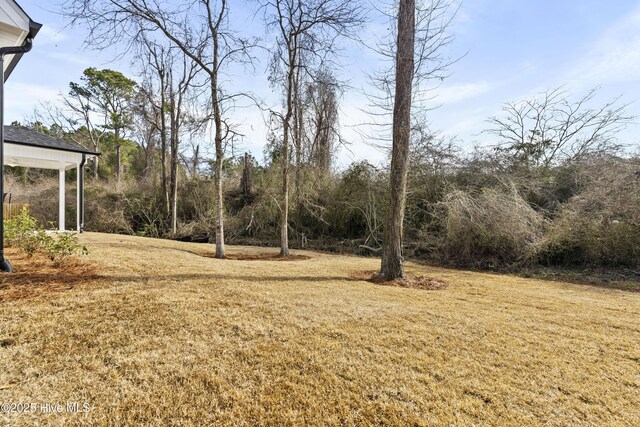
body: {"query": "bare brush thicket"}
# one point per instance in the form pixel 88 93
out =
pixel 601 224
pixel 494 225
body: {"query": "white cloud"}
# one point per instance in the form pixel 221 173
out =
pixel 450 94
pixel 615 57
pixel 49 35
pixel 22 98
pixel 72 58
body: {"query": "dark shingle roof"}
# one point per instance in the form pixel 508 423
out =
pixel 23 136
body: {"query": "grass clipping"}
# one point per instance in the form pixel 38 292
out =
pixel 37 275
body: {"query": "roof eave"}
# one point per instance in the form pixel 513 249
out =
pixel 34 28
pixel 29 144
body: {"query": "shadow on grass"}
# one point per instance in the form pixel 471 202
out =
pixel 221 277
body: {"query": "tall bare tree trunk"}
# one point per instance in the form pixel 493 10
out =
pixel 118 155
pixel 219 198
pixel 163 144
pixel 95 166
pixel 175 117
pixel 246 181
pixel 284 214
pixel 284 208
pixel 297 134
pixel 118 161
pixel 217 117
pixel 297 130
pixel 392 246
pixel 174 204
pixel 202 32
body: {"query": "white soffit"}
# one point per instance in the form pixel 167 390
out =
pixel 38 157
pixel 14 26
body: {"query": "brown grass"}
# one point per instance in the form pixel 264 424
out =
pixel 172 338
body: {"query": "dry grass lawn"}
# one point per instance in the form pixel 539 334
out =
pixel 169 337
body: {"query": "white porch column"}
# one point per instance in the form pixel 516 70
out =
pixel 61 200
pixel 78 201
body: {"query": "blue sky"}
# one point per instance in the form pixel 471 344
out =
pixel 514 50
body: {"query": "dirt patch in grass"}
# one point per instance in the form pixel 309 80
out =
pixel 36 275
pixel 259 257
pixel 411 281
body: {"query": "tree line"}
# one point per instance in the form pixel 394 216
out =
pixel 508 203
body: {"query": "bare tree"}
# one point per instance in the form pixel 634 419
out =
pixel 433 20
pixel 421 33
pixel 304 28
pixel 200 30
pixel 154 58
pixel 146 130
pixel 392 244
pixel 321 100
pixel 179 87
pixel 550 128
pixel 174 73
pixel 73 115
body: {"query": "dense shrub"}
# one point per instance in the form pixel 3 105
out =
pixel 491 226
pixel 357 207
pixel 63 246
pixel 600 225
pixel 105 210
pixel 23 232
